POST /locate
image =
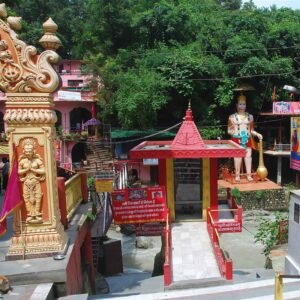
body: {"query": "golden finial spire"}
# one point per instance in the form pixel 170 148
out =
pixel 3 12
pixel 49 40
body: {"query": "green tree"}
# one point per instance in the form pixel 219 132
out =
pixel 139 97
pixel 36 12
pixel 231 4
pixel 105 27
pixel 187 49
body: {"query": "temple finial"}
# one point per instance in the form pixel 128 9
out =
pixel 188 113
pixel 49 40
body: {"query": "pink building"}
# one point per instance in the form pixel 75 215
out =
pixel 74 105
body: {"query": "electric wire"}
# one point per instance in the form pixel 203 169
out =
pixel 167 52
pixel 165 130
pixel 236 77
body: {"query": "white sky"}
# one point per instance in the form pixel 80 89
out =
pixel 295 4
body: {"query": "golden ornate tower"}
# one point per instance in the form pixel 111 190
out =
pixel 29 80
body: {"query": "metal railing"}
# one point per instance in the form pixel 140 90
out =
pixel 73 194
pixel 224 262
pixel 168 252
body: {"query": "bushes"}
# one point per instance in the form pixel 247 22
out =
pixel 268 232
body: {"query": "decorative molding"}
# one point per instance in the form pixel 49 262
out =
pixel 45 242
pixel 30 116
pixel 32 97
pixel 21 68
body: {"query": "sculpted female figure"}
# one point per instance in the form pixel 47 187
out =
pixel 31 172
pixel 241 128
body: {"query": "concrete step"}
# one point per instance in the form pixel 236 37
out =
pixel 99 154
pixel 257 290
pixel 197 283
pixel 31 291
pixel 131 283
pixel 75 297
pixel 96 156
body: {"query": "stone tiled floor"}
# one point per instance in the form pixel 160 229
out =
pixel 192 253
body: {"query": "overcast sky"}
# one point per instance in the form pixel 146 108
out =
pixel 295 4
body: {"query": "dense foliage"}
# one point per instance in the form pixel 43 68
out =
pixel 154 55
pixel 268 232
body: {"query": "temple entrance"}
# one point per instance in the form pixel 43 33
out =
pixel 188 187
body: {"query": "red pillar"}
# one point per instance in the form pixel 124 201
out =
pixel 62 201
pixel 214 186
pixel 228 274
pixel 162 180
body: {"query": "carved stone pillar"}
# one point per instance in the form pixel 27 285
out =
pixel 30 119
pixel 29 81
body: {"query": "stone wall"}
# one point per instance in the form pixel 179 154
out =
pixel 265 199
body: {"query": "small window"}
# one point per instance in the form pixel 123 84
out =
pixel 75 83
pixel 296 212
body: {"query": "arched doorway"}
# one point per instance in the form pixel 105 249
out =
pixel 78 152
pixel 58 123
pixel 78 116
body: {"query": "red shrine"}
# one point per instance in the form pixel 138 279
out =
pixel 188 186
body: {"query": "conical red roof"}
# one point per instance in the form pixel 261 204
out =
pixel 188 136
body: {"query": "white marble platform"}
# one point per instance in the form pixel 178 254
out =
pixel 192 253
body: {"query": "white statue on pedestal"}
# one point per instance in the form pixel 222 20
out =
pixel 241 129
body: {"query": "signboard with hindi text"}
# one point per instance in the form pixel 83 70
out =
pixel 67 95
pixel 104 185
pixel 295 143
pixel 149 229
pixel 139 205
pixel 286 108
pixel 228 227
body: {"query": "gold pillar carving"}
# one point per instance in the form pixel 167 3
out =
pixel 170 187
pixel 29 81
pixel 206 186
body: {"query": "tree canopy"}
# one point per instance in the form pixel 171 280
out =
pixel 154 55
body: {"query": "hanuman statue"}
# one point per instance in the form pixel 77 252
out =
pixel 31 172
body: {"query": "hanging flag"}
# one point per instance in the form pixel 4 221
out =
pixel 12 198
pixel 274 94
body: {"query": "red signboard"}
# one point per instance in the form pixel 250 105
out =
pixel 286 108
pixel 139 205
pixel 295 143
pixel 149 229
pixel 67 166
pixel 229 226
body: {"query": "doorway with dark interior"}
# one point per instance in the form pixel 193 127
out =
pixel 188 189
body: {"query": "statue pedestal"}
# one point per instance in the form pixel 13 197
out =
pixel 37 243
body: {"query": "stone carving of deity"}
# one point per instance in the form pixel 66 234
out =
pixel 31 173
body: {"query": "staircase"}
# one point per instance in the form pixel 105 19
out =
pixel 98 155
